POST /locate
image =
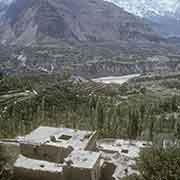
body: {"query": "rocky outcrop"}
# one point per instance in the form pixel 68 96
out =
pixel 101 69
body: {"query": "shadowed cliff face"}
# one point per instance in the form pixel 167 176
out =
pixel 28 21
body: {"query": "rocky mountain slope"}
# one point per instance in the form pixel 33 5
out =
pixel 3 7
pixel 83 20
pixel 163 14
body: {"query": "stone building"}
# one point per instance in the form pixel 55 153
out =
pixel 58 154
pixel 67 154
pixel 119 157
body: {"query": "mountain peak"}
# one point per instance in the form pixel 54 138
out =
pixel 162 15
pixel 6 1
pixel 143 7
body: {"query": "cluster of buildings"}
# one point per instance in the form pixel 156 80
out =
pixel 67 154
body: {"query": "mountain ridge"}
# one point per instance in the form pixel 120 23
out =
pixel 145 8
pixel 83 20
pixel 164 15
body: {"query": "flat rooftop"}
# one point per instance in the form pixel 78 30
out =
pixel 59 137
pixel 122 154
pixel 127 148
pixel 37 165
pixel 39 135
pixel 83 159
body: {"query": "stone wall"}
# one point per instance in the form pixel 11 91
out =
pixel 45 152
pixel 29 169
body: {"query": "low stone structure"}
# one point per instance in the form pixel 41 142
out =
pixel 83 165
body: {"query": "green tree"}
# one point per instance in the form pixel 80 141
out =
pixel 99 115
pixel 133 127
pixel 159 164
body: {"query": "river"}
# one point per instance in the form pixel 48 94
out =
pixel 115 79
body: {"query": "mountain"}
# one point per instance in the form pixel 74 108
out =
pixel 4 4
pixel 144 8
pixel 29 21
pixel 6 1
pixel 168 26
pixel 164 15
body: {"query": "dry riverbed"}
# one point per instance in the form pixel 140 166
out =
pixel 115 79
